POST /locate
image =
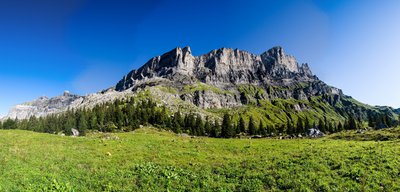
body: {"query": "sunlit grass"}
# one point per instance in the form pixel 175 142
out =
pixel 152 160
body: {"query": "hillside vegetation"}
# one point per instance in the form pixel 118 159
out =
pixel 151 160
pixel 267 118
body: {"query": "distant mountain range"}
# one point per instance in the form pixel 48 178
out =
pixel 272 87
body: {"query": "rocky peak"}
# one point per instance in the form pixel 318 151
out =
pixel 66 93
pixel 221 68
pixel 305 69
pixel 276 56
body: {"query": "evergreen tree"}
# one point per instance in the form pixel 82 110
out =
pixel 33 123
pixel 93 120
pixel 207 126
pixel 199 126
pixel 177 122
pixel 242 125
pixel 252 126
pixel 371 122
pixel 332 127
pixel 163 116
pixel 216 129
pixel 82 123
pixel 1 125
pixel 100 115
pixel 10 124
pixel 321 125
pixel 352 122
pixel 119 117
pixel 227 129
pixel 132 121
pixel 289 127
pixel 269 130
pixel 190 123
pixel 261 129
pixel 307 125
pixel 300 126
pixel 379 122
pixel 388 120
pixel 340 127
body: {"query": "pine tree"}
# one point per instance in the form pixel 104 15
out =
pixel 379 123
pixel 216 129
pixel 300 126
pixel 252 126
pixel 289 127
pixel 119 117
pixel 82 123
pixel 92 120
pixel 261 129
pixel 352 122
pixel 388 120
pixel 242 125
pixel 340 127
pixel 33 123
pixel 199 126
pixel 9 124
pixel 307 125
pixel 100 119
pixel 163 116
pixel 190 123
pixel 236 128
pixel 269 129
pixel 177 122
pixel 207 126
pixel 371 122
pixel 227 129
pixel 321 125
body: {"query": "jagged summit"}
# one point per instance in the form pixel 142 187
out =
pixel 222 78
pixel 220 67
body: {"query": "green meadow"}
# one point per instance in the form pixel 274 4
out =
pixel 151 160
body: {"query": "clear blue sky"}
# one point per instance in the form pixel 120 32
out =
pixel 48 46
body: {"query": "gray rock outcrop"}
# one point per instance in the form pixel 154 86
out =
pixel 313 132
pixel 273 73
pixel 44 106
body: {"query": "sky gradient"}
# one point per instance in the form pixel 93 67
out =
pixel 85 46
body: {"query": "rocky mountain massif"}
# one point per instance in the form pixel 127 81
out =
pixel 227 74
pixel 272 87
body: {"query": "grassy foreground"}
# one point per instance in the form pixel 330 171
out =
pixel 149 160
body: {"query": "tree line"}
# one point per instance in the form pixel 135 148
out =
pixel 129 114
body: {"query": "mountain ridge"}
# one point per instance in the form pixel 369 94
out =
pixel 209 67
pixel 227 69
pixel 269 84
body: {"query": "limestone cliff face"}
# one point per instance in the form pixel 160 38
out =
pixel 223 78
pixel 44 106
pixel 222 68
pixel 275 72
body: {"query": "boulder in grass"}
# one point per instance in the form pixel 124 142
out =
pixel 75 132
pixel 314 132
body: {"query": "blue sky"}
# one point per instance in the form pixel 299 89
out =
pixel 84 46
